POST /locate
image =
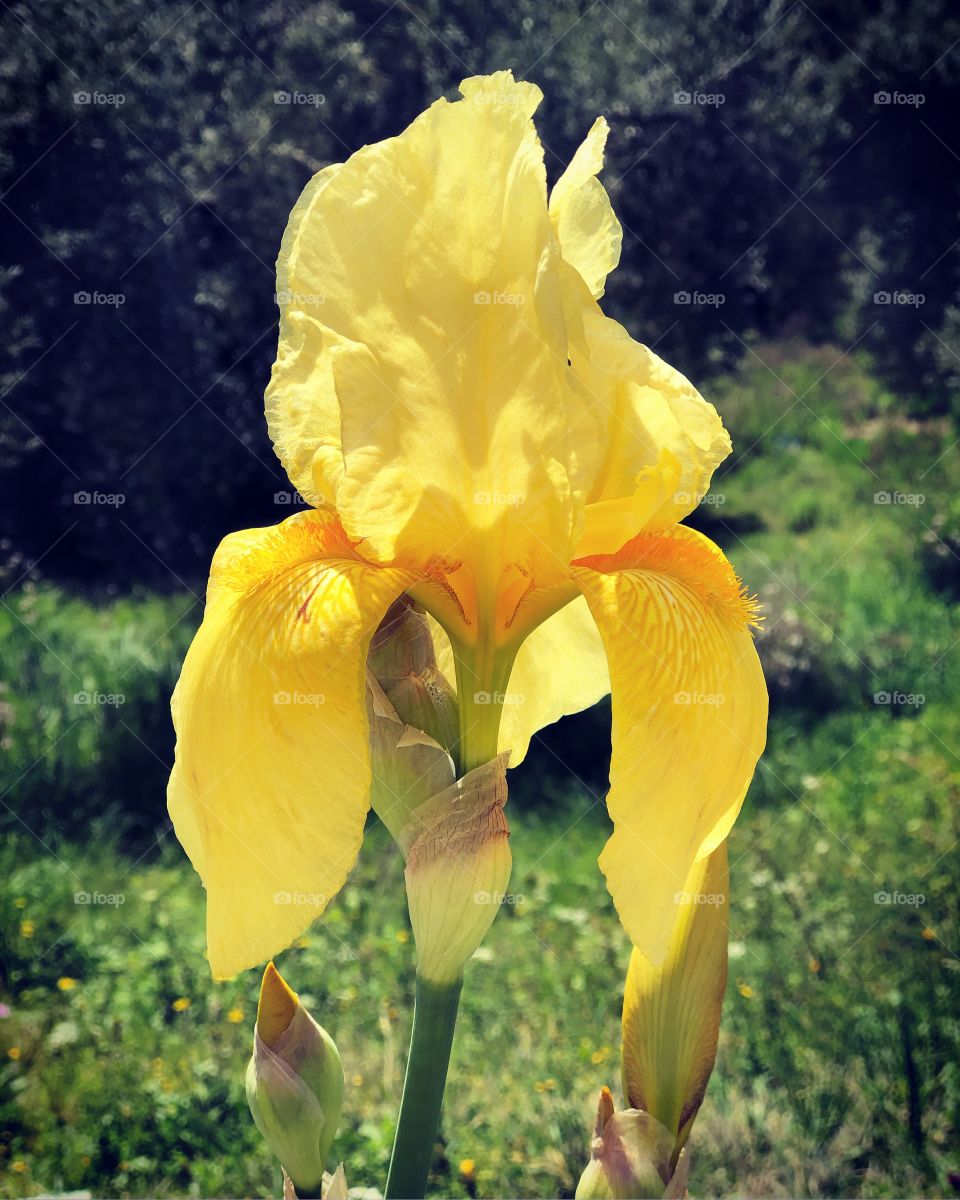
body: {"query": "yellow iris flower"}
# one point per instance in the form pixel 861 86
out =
pixel 471 430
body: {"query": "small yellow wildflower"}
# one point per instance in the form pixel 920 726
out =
pixel 27 928
pixel 181 1004
pixel 235 1016
pixel 20 1166
pixel 814 966
pixel 744 988
pixel 66 984
pixel 403 937
pixel 600 1056
pixel 468 1168
pixel 927 934
pixel 14 1053
pixel 21 902
pixel 357 1080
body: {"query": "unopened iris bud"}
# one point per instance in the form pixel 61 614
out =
pixel 412 712
pixel 458 867
pixel 294 1084
pixel 403 660
pixel 631 1157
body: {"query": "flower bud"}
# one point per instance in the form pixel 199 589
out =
pixel 412 711
pixel 294 1084
pixel 630 1157
pixel 404 662
pixel 458 867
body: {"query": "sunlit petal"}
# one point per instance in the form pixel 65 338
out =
pixel 589 232
pixel 689 715
pixel 272 776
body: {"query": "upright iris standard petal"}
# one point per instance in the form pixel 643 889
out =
pixel 589 232
pixel 271 782
pixel 422 385
pixel 689 716
pixel 664 441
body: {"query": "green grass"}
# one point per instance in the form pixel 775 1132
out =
pixel 837 1072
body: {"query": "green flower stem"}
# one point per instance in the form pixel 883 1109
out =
pixel 482 677
pixel 434 1016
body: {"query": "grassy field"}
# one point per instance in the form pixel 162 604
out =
pixel 837 1075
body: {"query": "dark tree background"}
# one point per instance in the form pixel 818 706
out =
pixel 801 160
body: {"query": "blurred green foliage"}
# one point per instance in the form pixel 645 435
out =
pixel 144 155
pixel 837 1067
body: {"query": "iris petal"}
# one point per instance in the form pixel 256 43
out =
pixel 272 776
pixel 689 716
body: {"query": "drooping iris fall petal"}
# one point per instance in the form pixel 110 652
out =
pixel 671 1010
pixel 271 782
pixel 689 716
